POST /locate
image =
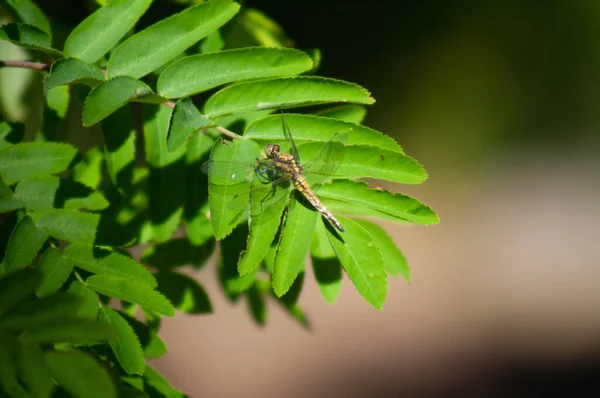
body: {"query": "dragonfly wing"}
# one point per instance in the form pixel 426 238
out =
pixel 324 159
pixel 288 136
pixel 225 172
pixel 264 200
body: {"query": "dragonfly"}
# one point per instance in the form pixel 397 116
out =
pixel 278 170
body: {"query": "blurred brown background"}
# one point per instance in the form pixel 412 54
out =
pixel 500 101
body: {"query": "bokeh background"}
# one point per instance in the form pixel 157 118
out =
pixel 500 101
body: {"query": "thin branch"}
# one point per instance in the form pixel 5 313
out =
pixel 25 64
pixel 226 132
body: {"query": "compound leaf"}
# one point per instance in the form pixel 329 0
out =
pixel 125 343
pixel 34 159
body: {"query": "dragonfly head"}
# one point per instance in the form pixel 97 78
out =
pixel 272 151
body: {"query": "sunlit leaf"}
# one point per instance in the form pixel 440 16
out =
pixel 43 193
pixel 89 171
pixel 283 93
pixel 183 78
pixel 69 225
pixel 348 113
pixel 186 120
pixel 131 291
pixel 34 159
pixel 147 50
pixel 185 293
pixel 124 343
pixel 24 243
pixel 80 374
pixel 264 30
pixel 100 31
pixel 54 270
pixel 73 70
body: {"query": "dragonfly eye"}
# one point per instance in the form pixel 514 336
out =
pixel 272 150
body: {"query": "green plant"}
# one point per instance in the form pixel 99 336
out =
pixel 71 212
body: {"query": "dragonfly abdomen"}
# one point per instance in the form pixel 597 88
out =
pixel 301 185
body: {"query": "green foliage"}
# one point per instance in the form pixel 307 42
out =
pixel 70 217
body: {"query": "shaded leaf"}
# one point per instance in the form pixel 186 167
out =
pixel 89 171
pixel 149 49
pixel 181 78
pixel 119 145
pixel 326 266
pixel 124 343
pixel 43 193
pixel 100 31
pixel 34 159
pixel 80 374
pixel 15 288
pixel 77 331
pixel 88 300
pixel 112 94
pixel 177 253
pixel 9 380
pixel 106 262
pixel 28 12
pixel 362 260
pixel 73 70
pixel 186 294
pixel 157 385
pixel 393 259
pixel 186 120
pixel 257 305
pixel 35 313
pixel 264 30
pixel 156 347
pixel 293 245
pixel 11 133
pixel 283 93
pixel 34 371
pixel 28 37
pixel 69 225
pixel 131 291
pixel 54 270
pixel 8 201
pixel 23 245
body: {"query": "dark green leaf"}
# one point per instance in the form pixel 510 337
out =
pixel 182 78
pixel 283 93
pixel 88 300
pixel 316 128
pixel 8 201
pixel 401 207
pixel 106 262
pixel 35 313
pixel 80 374
pixel 29 13
pixel 34 159
pixel 11 133
pixel 112 94
pixel 34 371
pixel 154 46
pixel 326 266
pixel 9 381
pixel 15 288
pixel 393 259
pixel 177 253
pixel 54 270
pixel 69 225
pixel 125 343
pixel 119 143
pixel 29 37
pixel 257 305
pixel 362 261
pixel 76 331
pixel 264 30
pixel 348 113
pixel 158 385
pixel 99 32
pixel 293 245
pixel 43 193
pixel 184 292
pixel 73 70
pixel 131 291
pixel 156 347
pixel 185 121
pixel 23 245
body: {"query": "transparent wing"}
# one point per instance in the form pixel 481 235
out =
pixel 325 159
pixel 288 136
pixel 228 172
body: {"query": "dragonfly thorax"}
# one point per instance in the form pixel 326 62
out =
pixel 272 151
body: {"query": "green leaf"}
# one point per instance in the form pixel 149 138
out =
pixel 257 305
pixel 73 70
pixel 8 200
pixel 362 261
pixel 69 225
pixel 326 266
pixel 212 43
pixel 177 253
pixel 154 46
pixel 106 262
pixel 400 207
pixel 131 291
pixel 54 270
pixel 119 145
pixel 289 92
pixel 34 159
pixel 182 78
pixel 80 374
pixel 293 245
pixel 317 128
pixel 167 179
pixel 184 292
pixel 348 113
pixel 112 94
pixel 29 13
pixel 23 245
pixel 125 343
pixel 221 191
pixel 264 30
pixel 43 193
pixel 88 300
pixel 76 331
pixel 15 288
pixel 58 99
pixel 11 133
pixel 34 313
pixel 29 37
pixel 185 121
pixel 393 259
pixel 156 347
pixel 90 171
pixel 155 382
pixel 34 371
pixel 99 32
pixel 9 381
